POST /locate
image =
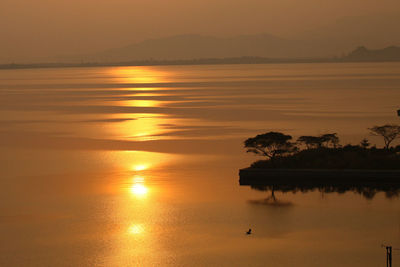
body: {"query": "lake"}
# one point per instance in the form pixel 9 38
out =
pixel 138 166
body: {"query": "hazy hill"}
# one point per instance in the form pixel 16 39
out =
pixel 334 39
pixel 198 46
pixel 340 37
pixel 391 53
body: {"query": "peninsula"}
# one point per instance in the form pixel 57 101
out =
pixel 321 158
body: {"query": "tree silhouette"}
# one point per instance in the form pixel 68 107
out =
pixel 319 141
pixel 270 144
pixel 328 139
pixel 389 132
pixel 365 143
pixel 310 141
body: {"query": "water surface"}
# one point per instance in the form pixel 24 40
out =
pixel 138 166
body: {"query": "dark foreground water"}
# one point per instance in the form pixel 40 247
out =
pixel 138 166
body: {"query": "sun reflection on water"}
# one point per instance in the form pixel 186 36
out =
pixel 139 190
pixel 140 103
pixel 140 167
pixel 138 75
pixel 136 229
pixel 138 187
pixel 142 126
pixel 147 125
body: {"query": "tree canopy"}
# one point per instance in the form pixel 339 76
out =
pixel 310 141
pixel 319 141
pixel 365 143
pixel 270 144
pixel 330 139
pixel 324 150
pixel 389 132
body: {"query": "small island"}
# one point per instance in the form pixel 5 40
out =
pixel 321 159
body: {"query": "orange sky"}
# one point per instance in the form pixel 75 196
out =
pixel 32 28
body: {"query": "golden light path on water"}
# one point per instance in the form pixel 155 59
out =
pixel 141 126
pixel 140 204
pixel 141 75
pixel 140 211
pixel 140 103
pixel 134 208
pixel 137 202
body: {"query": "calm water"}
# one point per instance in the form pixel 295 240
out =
pixel 138 166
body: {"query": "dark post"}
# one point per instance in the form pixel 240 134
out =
pixel 388 256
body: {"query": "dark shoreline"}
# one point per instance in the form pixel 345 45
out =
pixel 194 62
pixel 252 176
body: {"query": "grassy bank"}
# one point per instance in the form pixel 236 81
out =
pixel 347 157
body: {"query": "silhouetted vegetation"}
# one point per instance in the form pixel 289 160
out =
pixel 325 152
pixel 388 132
pixel 271 145
pixel 347 157
pixel 319 141
pixel 365 143
pixel 362 54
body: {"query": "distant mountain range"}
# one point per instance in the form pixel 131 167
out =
pixel 192 46
pixel 335 38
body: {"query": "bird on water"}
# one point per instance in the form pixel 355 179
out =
pixel 248 232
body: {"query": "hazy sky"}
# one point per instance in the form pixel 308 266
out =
pixel 50 27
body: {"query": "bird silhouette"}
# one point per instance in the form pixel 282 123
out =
pixel 248 232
